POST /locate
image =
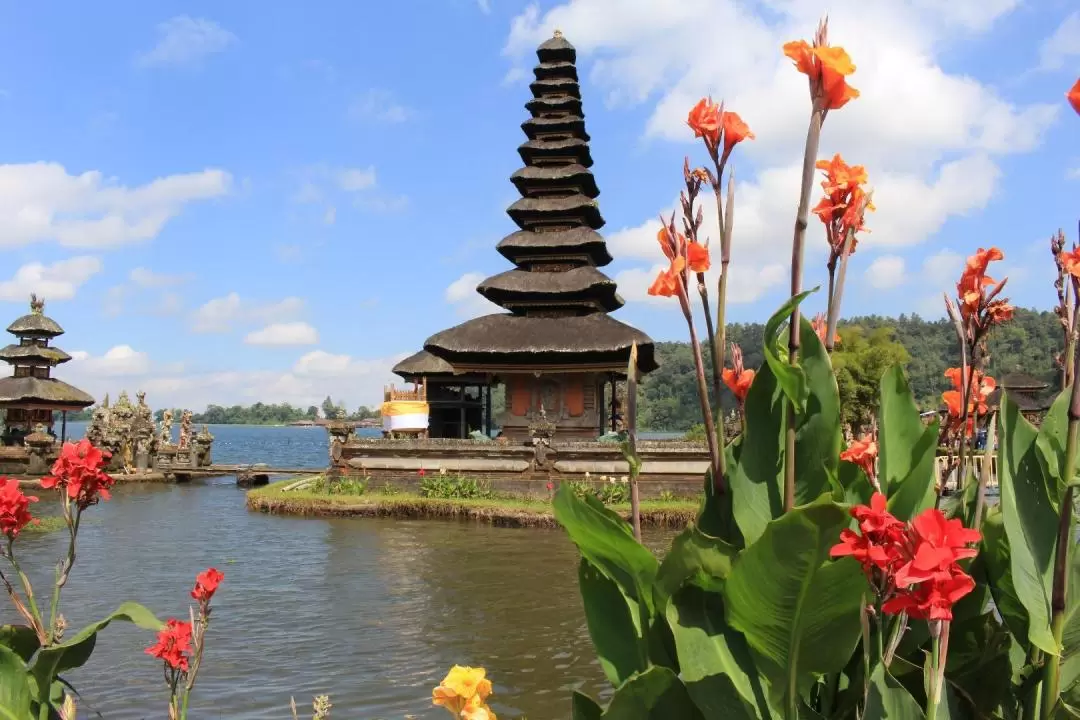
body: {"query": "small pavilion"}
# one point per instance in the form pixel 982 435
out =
pixel 556 350
pixel 1028 392
pixel 31 396
pixel 458 404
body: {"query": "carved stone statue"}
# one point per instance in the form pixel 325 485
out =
pixel 99 424
pixel 185 430
pixel 165 436
pixel 203 443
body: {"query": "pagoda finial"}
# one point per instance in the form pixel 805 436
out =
pixel 37 306
pixel 557 33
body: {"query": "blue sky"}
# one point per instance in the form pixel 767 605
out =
pixel 230 202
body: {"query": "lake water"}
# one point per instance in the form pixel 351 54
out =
pixel 372 612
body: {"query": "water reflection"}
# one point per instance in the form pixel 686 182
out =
pixel 371 611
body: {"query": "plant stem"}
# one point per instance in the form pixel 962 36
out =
pixel 64 566
pixel 703 392
pixel 984 472
pixel 933 693
pixel 631 440
pixel 28 590
pixel 813 139
pixel 725 219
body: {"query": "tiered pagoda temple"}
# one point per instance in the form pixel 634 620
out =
pixel 556 349
pixel 31 396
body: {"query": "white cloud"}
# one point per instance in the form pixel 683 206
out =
pixel 1073 174
pixel 929 138
pixel 886 272
pixel 379 106
pixel 311 378
pixel 147 278
pixel 184 40
pixel 58 281
pixel 468 303
pixel 292 333
pixel 942 268
pixel 353 179
pixel 118 361
pixel 223 313
pixel 41 202
pixel 484 5
pixel 1063 45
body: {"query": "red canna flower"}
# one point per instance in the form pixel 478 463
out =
pixel 938 545
pixel 877 544
pixel 173 645
pixel 827 69
pixel 206 584
pixel 737 378
pixel 421 472
pixel 80 471
pixel 1074 96
pixel 932 600
pixel 14 508
pixel 863 452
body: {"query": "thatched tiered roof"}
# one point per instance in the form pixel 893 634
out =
pixel 33 353
pixel 556 296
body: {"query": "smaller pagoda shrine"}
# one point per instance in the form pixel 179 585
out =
pixel 458 404
pixel 31 396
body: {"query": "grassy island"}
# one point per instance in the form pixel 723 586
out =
pixel 276 499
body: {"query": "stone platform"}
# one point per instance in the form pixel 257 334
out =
pixel 667 465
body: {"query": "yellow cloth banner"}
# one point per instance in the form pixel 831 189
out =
pixel 404 407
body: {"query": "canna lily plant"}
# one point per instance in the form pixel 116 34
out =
pixel 823 581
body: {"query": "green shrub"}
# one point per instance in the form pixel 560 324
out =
pixel 454 487
pixel 343 486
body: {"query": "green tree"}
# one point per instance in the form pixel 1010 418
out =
pixel 859 361
pixel 312 412
pixel 328 408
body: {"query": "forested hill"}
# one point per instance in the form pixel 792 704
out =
pixel 1029 342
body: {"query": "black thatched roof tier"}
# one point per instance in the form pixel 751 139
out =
pixel 525 244
pixel 43 391
pixel 1022 400
pixel 542 106
pixel 569 124
pixel 555 70
pixel 1022 381
pixel 556 49
pixel 422 363
pixel 595 340
pixel 530 178
pixel 23 354
pixel 574 150
pixel 570 210
pixel 36 324
pixel 522 287
pixel 556 86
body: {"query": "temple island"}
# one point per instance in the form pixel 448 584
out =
pixel 557 353
pixel 33 399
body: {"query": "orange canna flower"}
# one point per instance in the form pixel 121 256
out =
pixel 737 378
pixel 821 327
pixel 704 119
pixel 735 131
pixel 863 452
pixel 976 303
pixel 667 282
pixel 827 68
pixel 839 208
pixel 1070 261
pixel 982 386
pixel 697 257
pixel 1074 96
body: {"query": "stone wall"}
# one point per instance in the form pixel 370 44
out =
pixel 673 466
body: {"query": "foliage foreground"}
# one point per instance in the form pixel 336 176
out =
pixel 824 581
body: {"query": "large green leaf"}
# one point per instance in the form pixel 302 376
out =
pixel 996 562
pixel 791 378
pixel 978 663
pixel 73 653
pixel 1050 445
pixel 798 610
pixel 1029 519
pixel 615 625
pixel 889 699
pixel 607 542
pixel 714 659
pixel 818 436
pixel 584 707
pixel 1070 638
pixel 21 639
pixel 15 689
pixel 907 448
pixel 656 694
pixel 694 557
pixel 756 459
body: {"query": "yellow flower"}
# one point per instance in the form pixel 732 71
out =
pixel 462 691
